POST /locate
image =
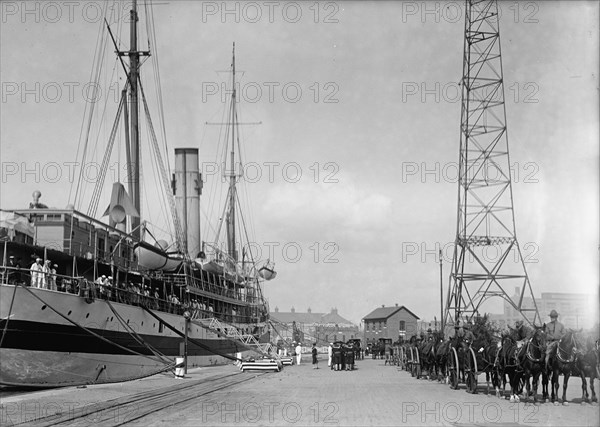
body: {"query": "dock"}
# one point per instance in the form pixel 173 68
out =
pixel 373 394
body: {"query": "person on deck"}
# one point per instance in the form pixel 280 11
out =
pixel 36 272
pixel 46 269
pixel 12 272
pixel 52 277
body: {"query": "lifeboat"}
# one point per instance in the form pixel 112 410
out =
pixel 153 258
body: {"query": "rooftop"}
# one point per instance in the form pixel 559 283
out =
pixel 384 312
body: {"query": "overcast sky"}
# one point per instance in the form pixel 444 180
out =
pixel 362 99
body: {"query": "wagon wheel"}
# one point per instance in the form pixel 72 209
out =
pixel 453 369
pixel 471 368
pixel 418 368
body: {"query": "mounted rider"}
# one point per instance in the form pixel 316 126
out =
pixel 466 336
pixel 554 332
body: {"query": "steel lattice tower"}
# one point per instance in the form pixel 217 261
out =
pixel 487 259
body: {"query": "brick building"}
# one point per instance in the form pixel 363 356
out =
pixel 395 322
pixel 314 327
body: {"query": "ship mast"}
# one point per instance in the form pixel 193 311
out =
pixel 231 246
pixel 134 64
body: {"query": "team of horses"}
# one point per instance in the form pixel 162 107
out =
pixel 517 358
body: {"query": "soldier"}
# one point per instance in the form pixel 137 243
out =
pixel 466 336
pixel 337 356
pixel 349 357
pixel 554 332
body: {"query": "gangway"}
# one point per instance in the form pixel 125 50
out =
pixel 232 333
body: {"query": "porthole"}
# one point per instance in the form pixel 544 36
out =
pixel 142 323
pixel 128 321
pixel 43 307
pixel 87 315
pixel 69 313
pixel 111 318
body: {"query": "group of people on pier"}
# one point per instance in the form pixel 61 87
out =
pixel 341 356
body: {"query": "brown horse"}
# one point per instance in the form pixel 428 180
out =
pixel 564 361
pixel 441 357
pixel 508 365
pixel 481 357
pixel 427 356
pixel 587 364
pixel 531 358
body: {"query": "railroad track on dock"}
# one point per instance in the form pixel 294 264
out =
pixel 128 409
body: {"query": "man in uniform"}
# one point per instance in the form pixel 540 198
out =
pixel 36 273
pixel 298 353
pixel 554 332
pixel 466 336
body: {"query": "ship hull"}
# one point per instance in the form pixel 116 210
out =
pixel 90 343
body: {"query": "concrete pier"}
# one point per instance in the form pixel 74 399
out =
pixel 373 394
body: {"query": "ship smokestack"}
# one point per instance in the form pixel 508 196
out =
pixel 187 186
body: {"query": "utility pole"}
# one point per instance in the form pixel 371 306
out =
pixel 441 295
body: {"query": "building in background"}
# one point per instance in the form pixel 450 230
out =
pixel 394 322
pixel 310 327
pixel 575 310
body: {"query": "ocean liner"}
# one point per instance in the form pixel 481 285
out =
pixel 86 301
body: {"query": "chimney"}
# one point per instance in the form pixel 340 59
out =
pixel 309 310
pixel 334 310
pixel 382 305
pixel 396 304
pixel 276 309
pixel 187 188
pixel 293 310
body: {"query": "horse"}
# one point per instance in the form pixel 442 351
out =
pixel 587 364
pixel 508 365
pixel 441 357
pixel 481 357
pixel 564 361
pixel 427 356
pixel 531 359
